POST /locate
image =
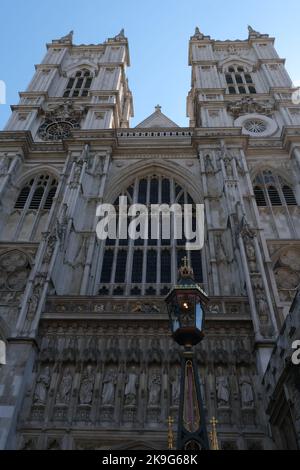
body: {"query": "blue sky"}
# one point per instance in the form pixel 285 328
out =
pixel 158 33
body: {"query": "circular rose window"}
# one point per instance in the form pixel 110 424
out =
pixel 256 125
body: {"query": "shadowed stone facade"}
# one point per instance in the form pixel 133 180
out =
pixel 90 361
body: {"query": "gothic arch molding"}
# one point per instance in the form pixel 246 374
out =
pixel 86 65
pixel 148 167
pixel 38 170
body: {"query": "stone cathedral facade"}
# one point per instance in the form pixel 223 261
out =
pixel 90 361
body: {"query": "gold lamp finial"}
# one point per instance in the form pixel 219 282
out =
pixel 213 434
pixel 170 433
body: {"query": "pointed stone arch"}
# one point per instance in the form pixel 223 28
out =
pixel 183 176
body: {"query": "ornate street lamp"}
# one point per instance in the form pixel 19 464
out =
pixel 186 303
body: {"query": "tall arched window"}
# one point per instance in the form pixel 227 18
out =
pixel 147 267
pixel 31 209
pixel 79 85
pixel 239 81
pixel 270 189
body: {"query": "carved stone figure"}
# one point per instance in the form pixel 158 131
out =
pixel 246 389
pixel 220 250
pixel 109 385
pixel 76 174
pixel 131 388
pixel 62 226
pixel 4 165
pixel 220 355
pixel 175 386
pixel 133 353
pixel 65 387
pixel 154 387
pixel 87 387
pixel 222 389
pixel 209 166
pixel 42 386
pixel 251 255
pixel 112 354
pixel 242 356
pixel 154 352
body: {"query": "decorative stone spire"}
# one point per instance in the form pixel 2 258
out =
pixel 198 34
pixel 68 39
pixel 255 34
pixel 158 108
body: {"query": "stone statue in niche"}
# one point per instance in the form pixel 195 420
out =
pixel 227 158
pixel 251 255
pixel 42 386
pixel 113 351
pixel 99 167
pixel 175 386
pixel 37 289
pixel 62 226
pixel 154 352
pixel 51 240
pixel 220 355
pixel 87 387
pixel 242 356
pixel 209 166
pixel 222 389
pixel 4 165
pixel 220 250
pixel 76 174
pixel 131 387
pixel 109 386
pixel 228 168
pixel 247 395
pixel 154 387
pixel 133 353
pixel 65 387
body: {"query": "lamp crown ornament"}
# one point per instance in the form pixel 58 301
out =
pixel 186 271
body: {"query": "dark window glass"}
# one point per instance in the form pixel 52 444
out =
pixel 229 78
pixel 121 266
pixel 231 69
pixel 274 196
pixel 252 89
pixel 248 78
pixel 137 267
pixel 289 196
pixel 197 265
pixel 259 196
pixel 151 266
pixel 22 199
pixel 240 69
pixel 142 198
pixel 165 273
pixel 231 90
pixel 107 266
pixel 36 199
pixel 238 78
pixel 165 192
pixel 154 191
pixel 242 90
pixel 50 197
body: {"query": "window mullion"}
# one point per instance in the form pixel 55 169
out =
pixel 25 209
